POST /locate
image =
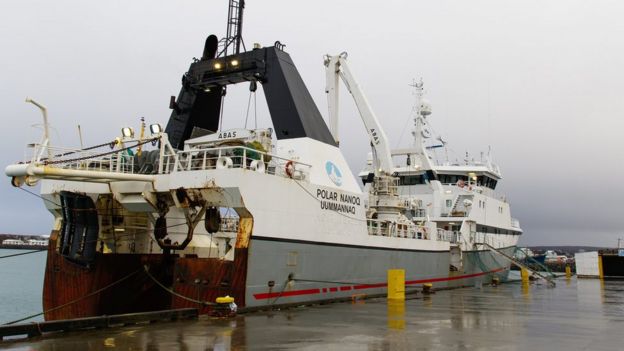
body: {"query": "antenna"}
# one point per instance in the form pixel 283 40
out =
pixel 234 35
pixel 418 118
pixel 80 135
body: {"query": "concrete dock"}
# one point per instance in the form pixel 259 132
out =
pixel 574 315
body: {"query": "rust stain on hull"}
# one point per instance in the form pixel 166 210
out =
pixel 66 282
pixel 205 279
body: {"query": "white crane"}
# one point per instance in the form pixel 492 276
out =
pixel 337 66
pixel 384 199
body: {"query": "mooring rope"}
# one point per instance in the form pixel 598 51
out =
pixel 205 303
pixel 76 300
pixel 23 253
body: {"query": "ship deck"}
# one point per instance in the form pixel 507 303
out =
pixel 577 314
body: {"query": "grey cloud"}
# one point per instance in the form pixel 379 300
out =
pixel 539 81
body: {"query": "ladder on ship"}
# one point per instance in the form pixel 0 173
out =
pixel 518 263
pixel 234 35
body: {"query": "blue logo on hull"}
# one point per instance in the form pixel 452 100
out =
pixel 334 173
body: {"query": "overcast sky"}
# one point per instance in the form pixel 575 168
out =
pixel 542 82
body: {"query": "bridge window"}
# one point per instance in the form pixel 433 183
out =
pixel 412 179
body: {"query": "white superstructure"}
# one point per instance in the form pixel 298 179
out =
pixel 460 198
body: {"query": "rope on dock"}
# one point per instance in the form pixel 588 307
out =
pixel 76 300
pixel 205 303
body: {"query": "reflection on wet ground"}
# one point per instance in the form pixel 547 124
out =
pixel 576 315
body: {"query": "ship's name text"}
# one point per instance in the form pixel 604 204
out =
pixel 334 201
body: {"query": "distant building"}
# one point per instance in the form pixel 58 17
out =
pixel 34 242
pixel 13 242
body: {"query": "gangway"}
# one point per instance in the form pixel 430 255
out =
pixel 537 263
pixel 518 263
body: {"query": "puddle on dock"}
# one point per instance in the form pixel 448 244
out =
pixel 583 314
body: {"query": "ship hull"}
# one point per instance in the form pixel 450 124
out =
pixel 120 283
pixel 270 273
pixel 292 272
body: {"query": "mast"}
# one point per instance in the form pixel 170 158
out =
pixel 421 111
pixel 417 133
pixel 234 34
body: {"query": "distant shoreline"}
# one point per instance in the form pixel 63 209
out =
pixel 23 242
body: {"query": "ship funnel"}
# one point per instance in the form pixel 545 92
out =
pixel 210 48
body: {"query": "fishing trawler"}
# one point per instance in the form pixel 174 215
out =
pixel 175 217
pixel 459 197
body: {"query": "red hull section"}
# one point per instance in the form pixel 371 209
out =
pixel 117 283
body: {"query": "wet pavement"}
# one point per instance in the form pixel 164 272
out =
pixel 576 315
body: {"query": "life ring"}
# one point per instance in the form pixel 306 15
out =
pixel 290 169
pixel 257 165
pixel 460 183
pixel 224 162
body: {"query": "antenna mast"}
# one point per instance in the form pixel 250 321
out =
pixel 418 116
pixel 234 34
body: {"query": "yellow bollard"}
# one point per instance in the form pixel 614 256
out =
pixel 568 272
pixel 224 307
pixel 396 284
pixel 524 273
pixel 600 271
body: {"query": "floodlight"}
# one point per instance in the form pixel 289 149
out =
pixel 127 132
pixel 155 128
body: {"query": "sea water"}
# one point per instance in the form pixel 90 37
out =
pixel 21 285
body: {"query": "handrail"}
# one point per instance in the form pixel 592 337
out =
pixel 237 157
pixel 518 263
pixel 393 229
pixel 184 160
pixel 452 236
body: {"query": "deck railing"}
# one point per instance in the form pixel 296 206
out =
pixel 234 157
pixel 391 229
pixel 165 162
pixel 454 237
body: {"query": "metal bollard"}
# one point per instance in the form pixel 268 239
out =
pixel 224 307
pixel 568 271
pixel 524 273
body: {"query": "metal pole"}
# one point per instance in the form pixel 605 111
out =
pixel 46 131
pixel 80 135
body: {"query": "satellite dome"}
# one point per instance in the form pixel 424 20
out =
pixel 425 107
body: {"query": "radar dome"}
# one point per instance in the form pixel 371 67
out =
pixel 425 107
